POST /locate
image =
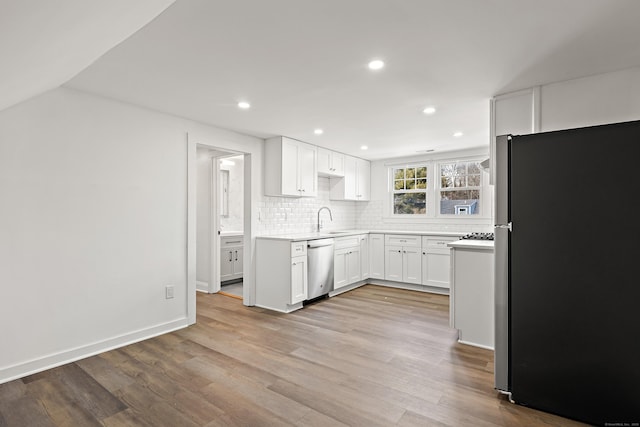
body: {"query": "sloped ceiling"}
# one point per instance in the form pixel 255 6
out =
pixel 44 43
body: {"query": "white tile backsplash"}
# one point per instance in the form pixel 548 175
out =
pixel 285 215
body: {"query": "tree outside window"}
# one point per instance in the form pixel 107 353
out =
pixel 410 190
pixel 460 184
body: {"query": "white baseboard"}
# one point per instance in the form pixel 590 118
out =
pixel 202 286
pixel 10 373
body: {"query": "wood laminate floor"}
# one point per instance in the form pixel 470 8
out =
pixel 373 356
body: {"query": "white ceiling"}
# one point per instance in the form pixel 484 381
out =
pixel 302 64
pixel 44 43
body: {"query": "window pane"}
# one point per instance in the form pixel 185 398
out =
pixel 461 202
pixel 411 184
pixel 474 168
pixel 410 173
pixel 421 183
pixel 461 168
pixel 459 181
pixel 474 180
pixel 421 172
pixel 409 203
pixel 398 174
pixel 399 184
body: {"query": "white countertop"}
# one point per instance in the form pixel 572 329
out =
pixel 472 244
pixel 344 233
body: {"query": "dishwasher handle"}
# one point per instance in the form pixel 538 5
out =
pixel 319 243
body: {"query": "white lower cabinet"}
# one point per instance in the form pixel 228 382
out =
pixel 299 279
pixel 364 256
pixel 347 265
pixel 436 261
pixel 281 274
pixel 231 265
pixel 402 258
pixel 376 256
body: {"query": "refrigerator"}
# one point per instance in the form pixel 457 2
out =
pixel 567 271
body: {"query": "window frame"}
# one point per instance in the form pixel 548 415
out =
pixel 393 191
pixel 441 189
pixel 433 191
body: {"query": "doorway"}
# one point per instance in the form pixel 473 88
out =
pixel 219 220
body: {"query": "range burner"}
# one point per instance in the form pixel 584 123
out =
pixel 478 236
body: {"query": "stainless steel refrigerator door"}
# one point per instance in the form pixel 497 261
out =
pixel 501 251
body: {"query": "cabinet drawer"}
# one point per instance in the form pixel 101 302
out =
pixel 436 244
pixel 231 241
pixel 347 242
pixel 298 248
pixel 402 240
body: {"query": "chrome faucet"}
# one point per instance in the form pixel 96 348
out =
pixel 330 216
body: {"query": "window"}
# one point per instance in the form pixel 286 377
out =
pixel 460 184
pixel 410 190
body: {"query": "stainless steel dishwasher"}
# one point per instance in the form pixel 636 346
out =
pixel 320 267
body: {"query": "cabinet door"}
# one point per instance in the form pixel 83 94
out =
pixel 298 279
pixel 237 261
pixel 324 161
pixel 393 263
pixel 438 267
pixel 290 181
pixel 350 170
pixel 340 268
pixel 353 265
pixel 376 256
pixel 412 265
pixel 337 163
pixel 226 264
pixel 363 180
pixel 364 257
pixel 307 170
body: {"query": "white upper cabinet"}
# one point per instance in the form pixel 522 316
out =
pixel 356 183
pixel 330 163
pixel 290 168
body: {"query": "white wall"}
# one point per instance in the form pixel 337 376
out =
pixel 93 225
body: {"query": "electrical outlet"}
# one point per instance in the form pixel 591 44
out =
pixel 168 291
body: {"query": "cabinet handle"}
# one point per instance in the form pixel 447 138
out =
pixel 295 263
pixel 236 255
pixel 424 253
pixel 230 256
pixel 399 252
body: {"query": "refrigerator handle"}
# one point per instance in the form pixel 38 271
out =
pixel 508 226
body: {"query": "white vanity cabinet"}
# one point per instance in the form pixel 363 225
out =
pixel 281 274
pixel 356 183
pixel 346 261
pixel 376 256
pixel 330 163
pixel 231 264
pixel 402 258
pixel 436 264
pixel 290 168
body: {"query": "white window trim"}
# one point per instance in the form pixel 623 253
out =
pixel 433 194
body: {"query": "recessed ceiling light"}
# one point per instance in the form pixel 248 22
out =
pixel 244 105
pixel 376 64
pixel 364 147
pixel 318 131
pixel 429 110
pixel 458 134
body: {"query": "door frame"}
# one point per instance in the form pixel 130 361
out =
pixel 248 291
